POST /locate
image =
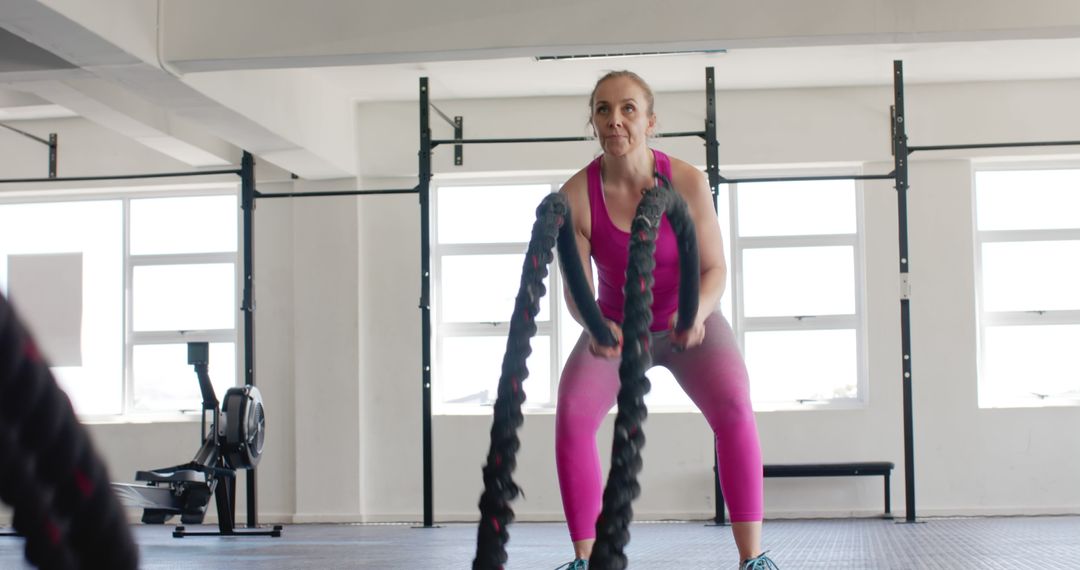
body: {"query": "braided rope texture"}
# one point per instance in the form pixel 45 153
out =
pixel 49 471
pixel 550 229
pixel 613 525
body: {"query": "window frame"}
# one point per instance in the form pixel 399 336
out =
pixel 733 252
pixel 857 321
pixel 442 330
pixel 128 412
pixel 987 319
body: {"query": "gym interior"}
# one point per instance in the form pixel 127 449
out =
pixel 330 202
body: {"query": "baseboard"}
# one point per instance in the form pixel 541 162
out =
pixel 682 516
pixel 134 517
pixel 653 516
pixel 995 512
pixel 340 518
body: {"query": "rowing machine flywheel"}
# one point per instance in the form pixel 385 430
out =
pixel 245 427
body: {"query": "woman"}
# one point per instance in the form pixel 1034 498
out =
pixel 704 359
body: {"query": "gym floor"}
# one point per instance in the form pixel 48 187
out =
pixel 1013 543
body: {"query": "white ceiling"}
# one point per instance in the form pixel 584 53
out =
pixel 761 68
pixel 233 105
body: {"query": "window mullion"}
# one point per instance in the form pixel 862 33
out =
pixel 490 329
pixel 763 242
pixel 737 300
pixel 990 236
pixel 812 322
pixel 183 337
pixel 554 300
pixel 184 258
pixel 128 391
pixel 1022 318
pixel 482 248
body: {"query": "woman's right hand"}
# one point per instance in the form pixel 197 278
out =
pixel 607 351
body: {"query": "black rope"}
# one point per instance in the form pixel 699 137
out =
pixel 552 227
pixel 580 290
pixel 613 525
pixel 49 472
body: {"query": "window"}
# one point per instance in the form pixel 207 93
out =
pixel 798 294
pixel 481 234
pixel 472 314
pixel 1027 240
pixel 147 275
pixel 93 229
pixel 796 254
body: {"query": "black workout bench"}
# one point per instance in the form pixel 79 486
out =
pixel 882 468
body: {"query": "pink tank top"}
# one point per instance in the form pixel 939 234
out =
pixel 611 246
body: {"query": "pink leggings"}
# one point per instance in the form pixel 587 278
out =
pixel 712 374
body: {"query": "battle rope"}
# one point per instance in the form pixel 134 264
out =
pixel 49 472
pixel 612 527
pixel 552 226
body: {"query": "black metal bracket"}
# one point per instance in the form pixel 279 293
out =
pixel 459 133
pixel 458 122
pixel 712 145
pixel 51 142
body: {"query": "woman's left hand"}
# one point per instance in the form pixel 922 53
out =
pixel 689 338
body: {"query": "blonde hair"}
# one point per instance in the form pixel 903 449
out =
pixel 629 75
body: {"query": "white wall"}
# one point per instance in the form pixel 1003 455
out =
pixel 327 400
pixel 338 354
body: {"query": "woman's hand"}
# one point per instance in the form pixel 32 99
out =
pixel 607 351
pixel 689 338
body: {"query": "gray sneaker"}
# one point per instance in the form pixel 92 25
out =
pixel 577 564
pixel 760 562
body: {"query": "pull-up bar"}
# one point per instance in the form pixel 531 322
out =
pixel 437 142
pixel 121 176
pixel 890 176
pixel 412 190
pixel 991 145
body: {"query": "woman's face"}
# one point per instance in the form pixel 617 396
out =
pixel 621 115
